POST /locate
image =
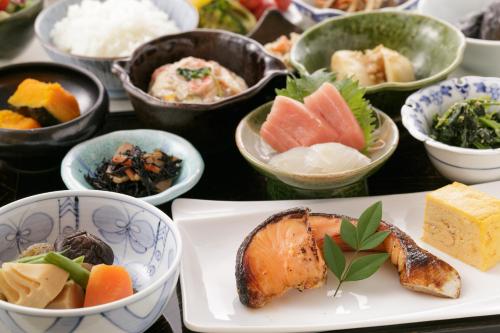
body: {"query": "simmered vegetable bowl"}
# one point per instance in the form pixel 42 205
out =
pixel 76 271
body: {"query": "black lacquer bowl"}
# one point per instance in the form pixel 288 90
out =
pixel 204 124
pixel 42 147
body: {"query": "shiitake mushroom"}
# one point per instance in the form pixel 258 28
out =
pixel 82 243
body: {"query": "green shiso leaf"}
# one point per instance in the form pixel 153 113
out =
pixel 353 94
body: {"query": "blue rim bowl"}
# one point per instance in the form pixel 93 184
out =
pixel 85 157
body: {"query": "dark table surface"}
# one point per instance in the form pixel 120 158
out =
pixel 228 177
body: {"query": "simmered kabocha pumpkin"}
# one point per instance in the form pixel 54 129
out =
pixel 13 120
pixel 48 103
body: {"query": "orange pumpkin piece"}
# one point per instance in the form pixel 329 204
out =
pixel 13 120
pixel 107 283
pixel 52 96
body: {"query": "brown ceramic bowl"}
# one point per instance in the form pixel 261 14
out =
pixel 41 148
pixel 203 124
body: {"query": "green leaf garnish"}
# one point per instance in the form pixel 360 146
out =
pixel 369 221
pixel 361 237
pixel 334 257
pixel 353 94
pixel 191 74
pixel 374 240
pixel 348 233
pixel 364 267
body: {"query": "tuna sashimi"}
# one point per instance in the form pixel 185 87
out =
pixel 329 106
pixel 290 124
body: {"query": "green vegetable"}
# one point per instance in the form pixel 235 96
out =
pixel 363 236
pixel 191 74
pixel 226 15
pixel 469 124
pixel 299 88
pixel 76 272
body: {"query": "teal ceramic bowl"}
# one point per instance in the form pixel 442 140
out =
pixel 16 31
pixel 434 47
pixel 84 158
pixel 284 185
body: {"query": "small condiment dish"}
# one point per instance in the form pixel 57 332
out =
pixel 481 56
pixel 180 11
pixel 286 185
pixel 316 14
pixel 465 165
pixel 418 37
pixel 85 157
pixel 37 148
pixel 143 238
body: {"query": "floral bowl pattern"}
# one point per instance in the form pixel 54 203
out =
pixel 143 238
pixel 456 163
pixel 315 14
pixel 85 157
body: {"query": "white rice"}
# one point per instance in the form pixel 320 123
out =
pixel 113 28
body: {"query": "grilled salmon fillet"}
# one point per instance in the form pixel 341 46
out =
pixel 279 255
pixel 418 269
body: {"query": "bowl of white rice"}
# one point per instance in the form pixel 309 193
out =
pixel 94 33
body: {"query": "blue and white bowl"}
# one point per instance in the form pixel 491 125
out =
pixel 85 157
pixel 314 14
pixel 144 239
pixel 180 11
pixel 466 165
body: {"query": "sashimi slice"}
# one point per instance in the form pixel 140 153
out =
pixel 327 104
pixel 290 123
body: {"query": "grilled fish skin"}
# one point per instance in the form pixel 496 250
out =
pixel 418 269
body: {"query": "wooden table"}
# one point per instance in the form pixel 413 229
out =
pixel 228 177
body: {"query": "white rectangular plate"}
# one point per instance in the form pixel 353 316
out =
pixel 212 231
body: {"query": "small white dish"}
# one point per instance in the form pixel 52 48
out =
pixel 85 157
pixel 481 56
pixel 470 166
pixel 212 231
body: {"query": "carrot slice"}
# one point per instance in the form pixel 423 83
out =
pixel 107 283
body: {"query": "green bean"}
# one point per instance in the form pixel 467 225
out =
pixel 76 272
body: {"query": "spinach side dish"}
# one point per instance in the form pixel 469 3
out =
pixel 472 123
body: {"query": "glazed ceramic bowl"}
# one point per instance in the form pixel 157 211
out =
pixel 315 14
pixel 481 56
pixel 144 240
pixel 16 31
pixel 85 157
pixel 469 166
pixel 286 185
pixel 418 37
pixel 197 122
pixel 28 149
pixel 180 11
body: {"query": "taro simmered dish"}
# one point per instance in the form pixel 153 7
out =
pixel 194 80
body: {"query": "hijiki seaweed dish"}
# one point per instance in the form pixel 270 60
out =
pixel 135 172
